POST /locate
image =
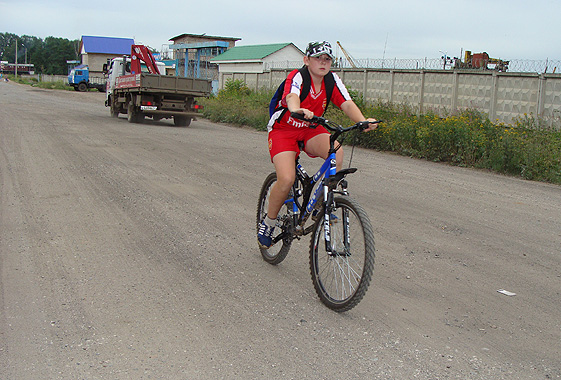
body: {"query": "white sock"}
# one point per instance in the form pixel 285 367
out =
pixel 270 222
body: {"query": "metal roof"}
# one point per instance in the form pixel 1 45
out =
pixel 252 52
pixel 107 45
pixel 204 36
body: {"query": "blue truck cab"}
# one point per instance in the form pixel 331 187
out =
pixel 79 78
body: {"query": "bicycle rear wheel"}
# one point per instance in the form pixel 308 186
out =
pixel 341 277
pixel 277 252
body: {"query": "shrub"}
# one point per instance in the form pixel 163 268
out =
pixel 524 149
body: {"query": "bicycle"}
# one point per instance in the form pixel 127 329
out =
pixel 341 267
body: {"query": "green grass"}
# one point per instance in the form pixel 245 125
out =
pixel 58 85
pixel 468 139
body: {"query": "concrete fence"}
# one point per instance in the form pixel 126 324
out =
pixel 51 78
pixel 504 97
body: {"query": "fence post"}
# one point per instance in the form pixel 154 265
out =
pixel 421 91
pixel 494 91
pixel 541 95
pixel 455 85
pixel 392 75
pixel 365 86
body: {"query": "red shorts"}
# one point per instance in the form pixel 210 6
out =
pixel 286 139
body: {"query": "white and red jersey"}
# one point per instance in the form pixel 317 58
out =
pixel 315 101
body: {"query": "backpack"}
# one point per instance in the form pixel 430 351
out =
pixel 329 79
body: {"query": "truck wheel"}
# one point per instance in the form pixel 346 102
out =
pixel 182 121
pixel 113 107
pixel 132 115
pixel 82 87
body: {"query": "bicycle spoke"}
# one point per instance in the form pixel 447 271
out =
pixel 342 276
pixel 282 240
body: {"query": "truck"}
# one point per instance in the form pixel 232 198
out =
pixel 79 78
pixel 136 88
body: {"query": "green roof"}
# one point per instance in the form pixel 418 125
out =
pixel 252 52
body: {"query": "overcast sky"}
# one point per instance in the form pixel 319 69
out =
pixel 513 29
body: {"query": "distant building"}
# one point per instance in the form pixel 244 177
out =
pixel 192 54
pixel 255 58
pixel 95 51
pixel 213 45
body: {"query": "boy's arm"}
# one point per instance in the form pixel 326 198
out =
pixel 293 105
pixel 355 114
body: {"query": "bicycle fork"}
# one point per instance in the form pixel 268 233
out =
pixel 328 201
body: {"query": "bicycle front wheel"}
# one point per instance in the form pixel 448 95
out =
pixel 278 251
pixel 341 277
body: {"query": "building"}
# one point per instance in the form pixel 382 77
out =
pixel 95 51
pixel 193 53
pixel 255 59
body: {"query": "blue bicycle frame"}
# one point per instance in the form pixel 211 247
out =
pixel 301 213
pixel 327 171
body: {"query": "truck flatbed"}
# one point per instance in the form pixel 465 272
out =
pixel 145 82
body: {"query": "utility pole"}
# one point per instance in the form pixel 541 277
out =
pixel 16 71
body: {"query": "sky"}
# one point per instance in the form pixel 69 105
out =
pixel 513 29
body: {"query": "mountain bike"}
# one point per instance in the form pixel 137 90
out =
pixel 342 241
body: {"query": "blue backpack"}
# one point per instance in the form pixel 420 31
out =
pixel 329 79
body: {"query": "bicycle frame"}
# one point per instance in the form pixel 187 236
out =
pixel 302 211
pixel 328 170
pixel 341 270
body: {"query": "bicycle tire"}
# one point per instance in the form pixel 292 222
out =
pixel 341 279
pixel 276 253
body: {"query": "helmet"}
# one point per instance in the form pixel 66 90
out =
pixel 315 49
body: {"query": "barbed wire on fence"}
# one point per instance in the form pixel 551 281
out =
pixel 515 65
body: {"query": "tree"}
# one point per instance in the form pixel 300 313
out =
pixel 48 57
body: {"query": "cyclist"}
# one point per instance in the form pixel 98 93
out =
pixel 285 132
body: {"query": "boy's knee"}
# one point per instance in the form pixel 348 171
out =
pixel 285 181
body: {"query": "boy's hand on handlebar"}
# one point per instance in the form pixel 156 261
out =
pixel 371 127
pixel 304 112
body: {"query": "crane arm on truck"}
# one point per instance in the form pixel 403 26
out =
pixel 140 53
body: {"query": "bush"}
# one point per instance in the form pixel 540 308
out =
pixel 237 104
pixel 468 139
pixel 58 85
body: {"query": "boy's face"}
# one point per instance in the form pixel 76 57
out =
pixel 318 65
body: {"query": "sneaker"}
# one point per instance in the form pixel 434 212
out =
pixel 265 235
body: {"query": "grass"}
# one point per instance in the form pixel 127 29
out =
pixel 468 139
pixel 58 85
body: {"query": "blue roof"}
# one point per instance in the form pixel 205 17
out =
pixel 107 45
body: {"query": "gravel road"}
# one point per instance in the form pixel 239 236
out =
pixel 128 251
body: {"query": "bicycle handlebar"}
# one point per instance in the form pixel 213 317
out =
pixel 332 126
